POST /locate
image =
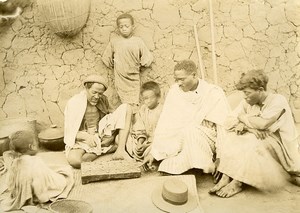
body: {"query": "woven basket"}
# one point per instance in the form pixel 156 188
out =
pixel 70 206
pixel 65 17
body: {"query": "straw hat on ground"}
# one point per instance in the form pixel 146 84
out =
pixel 173 196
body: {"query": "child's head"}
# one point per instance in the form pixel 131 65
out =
pixel 23 142
pixel 150 93
pixel 125 25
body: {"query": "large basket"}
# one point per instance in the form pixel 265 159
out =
pixel 65 17
pixel 70 206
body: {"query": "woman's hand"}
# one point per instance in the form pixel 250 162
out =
pixel 260 134
pixel 239 129
pixel 242 118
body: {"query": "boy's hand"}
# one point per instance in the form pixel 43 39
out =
pixel 148 163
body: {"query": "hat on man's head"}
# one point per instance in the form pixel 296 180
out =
pixel 94 78
pixel 173 196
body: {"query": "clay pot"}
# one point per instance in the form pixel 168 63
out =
pixel 4 144
pixel 52 138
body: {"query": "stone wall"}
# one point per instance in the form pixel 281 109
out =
pixel 40 71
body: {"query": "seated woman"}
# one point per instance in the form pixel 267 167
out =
pixel 261 149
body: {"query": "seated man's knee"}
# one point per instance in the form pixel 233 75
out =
pixel 75 160
pixel 75 163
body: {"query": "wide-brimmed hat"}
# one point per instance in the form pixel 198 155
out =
pixel 94 78
pixel 173 196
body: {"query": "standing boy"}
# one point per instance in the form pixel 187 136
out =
pixel 126 54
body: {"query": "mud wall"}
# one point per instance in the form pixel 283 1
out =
pixel 40 71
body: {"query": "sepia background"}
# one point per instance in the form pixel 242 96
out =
pixel 42 67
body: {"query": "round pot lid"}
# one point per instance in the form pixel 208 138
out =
pixel 51 133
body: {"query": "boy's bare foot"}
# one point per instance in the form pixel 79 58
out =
pixel 230 189
pixel 223 182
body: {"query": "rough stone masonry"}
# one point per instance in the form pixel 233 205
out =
pixel 40 71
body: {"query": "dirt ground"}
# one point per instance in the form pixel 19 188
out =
pixel 249 200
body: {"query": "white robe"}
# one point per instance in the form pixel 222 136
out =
pixel 180 139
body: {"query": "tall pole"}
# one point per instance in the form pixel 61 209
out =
pixel 202 71
pixel 213 50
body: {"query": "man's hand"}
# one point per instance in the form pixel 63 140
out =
pixel 90 140
pixel 107 140
pixel 86 137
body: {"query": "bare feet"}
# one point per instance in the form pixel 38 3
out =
pixel 223 182
pixel 230 189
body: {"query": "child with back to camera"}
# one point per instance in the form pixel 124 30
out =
pixel 29 181
pixel 126 54
pixel 141 137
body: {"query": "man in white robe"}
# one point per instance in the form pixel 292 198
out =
pixel 190 127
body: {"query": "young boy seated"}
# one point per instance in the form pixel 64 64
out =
pixel 29 180
pixel 141 137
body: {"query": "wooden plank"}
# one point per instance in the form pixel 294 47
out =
pixel 108 170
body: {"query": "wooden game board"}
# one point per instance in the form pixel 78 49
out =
pixel 108 170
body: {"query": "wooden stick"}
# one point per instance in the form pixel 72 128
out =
pixel 202 71
pixel 213 51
